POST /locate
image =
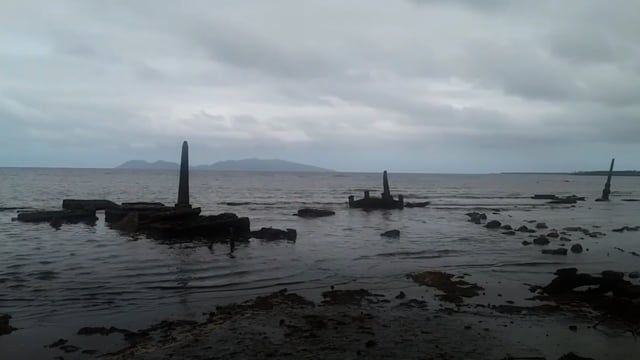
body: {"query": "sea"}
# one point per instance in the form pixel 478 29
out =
pixel 52 282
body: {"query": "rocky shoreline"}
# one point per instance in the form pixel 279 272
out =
pixel 438 318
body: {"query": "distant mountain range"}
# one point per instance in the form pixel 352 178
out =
pixel 228 165
pixel 145 165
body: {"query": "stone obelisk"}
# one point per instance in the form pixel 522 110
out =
pixel 183 186
pixel 386 193
pixel 607 186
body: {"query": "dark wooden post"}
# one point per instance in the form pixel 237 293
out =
pixel 607 186
pixel 183 186
pixel 366 194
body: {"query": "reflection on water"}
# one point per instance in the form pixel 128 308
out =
pixel 48 277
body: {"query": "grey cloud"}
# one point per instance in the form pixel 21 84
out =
pixel 348 84
pixel 481 5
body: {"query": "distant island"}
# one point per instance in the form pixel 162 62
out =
pixel 145 165
pixel 582 173
pixel 228 165
pixel 605 173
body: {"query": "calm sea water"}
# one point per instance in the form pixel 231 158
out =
pixel 53 282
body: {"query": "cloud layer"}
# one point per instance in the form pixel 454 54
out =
pixel 415 85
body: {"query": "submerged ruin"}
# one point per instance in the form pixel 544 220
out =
pixel 386 201
pixel 607 186
pixel 153 219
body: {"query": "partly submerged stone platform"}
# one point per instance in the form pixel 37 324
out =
pixel 157 220
pixel 58 216
pixel 386 201
pixel 169 222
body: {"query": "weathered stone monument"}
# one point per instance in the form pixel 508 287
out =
pixel 385 202
pixel 176 223
pixel 607 186
pixel 386 193
pixel 183 185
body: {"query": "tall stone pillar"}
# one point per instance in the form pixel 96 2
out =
pixel 183 186
pixel 386 193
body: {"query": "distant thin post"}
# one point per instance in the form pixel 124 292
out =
pixel 607 186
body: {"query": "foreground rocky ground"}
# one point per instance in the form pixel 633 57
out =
pixel 359 324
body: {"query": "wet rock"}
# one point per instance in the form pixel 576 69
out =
pixel 263 303
pixel 69 348
pixel 541 225
pixel 611 281
pixel 493 224
pixel 567 200
pixel 525 243
pixel 544 197
pixel 506 227
pixel 65 216
pixel 612 275
pixel 90 351
pixel 275 234
pixel 5 327
pixel 524 228
pixel 553 235
pixel 522 310
pixel 572 356
pixel 454 290
pixel 101 330
pixel 566 272
pixel 558 251
pixel 417 204
pixel 510 232
pixel 370 344
pixel 345 297
pixel 391 233
pixel 401 295
pixel 573 328
pixel 76 204
pixel 574 228
pixel 57 343
pixel 541 240
pixel 576 248
pixel 476 217
pixel 314 213
pixel 562 238
pixel 627 228
pixel 634 275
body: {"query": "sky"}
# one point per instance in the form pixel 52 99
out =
pixel 458 86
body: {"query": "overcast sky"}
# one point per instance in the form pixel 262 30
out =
pixel 407 85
